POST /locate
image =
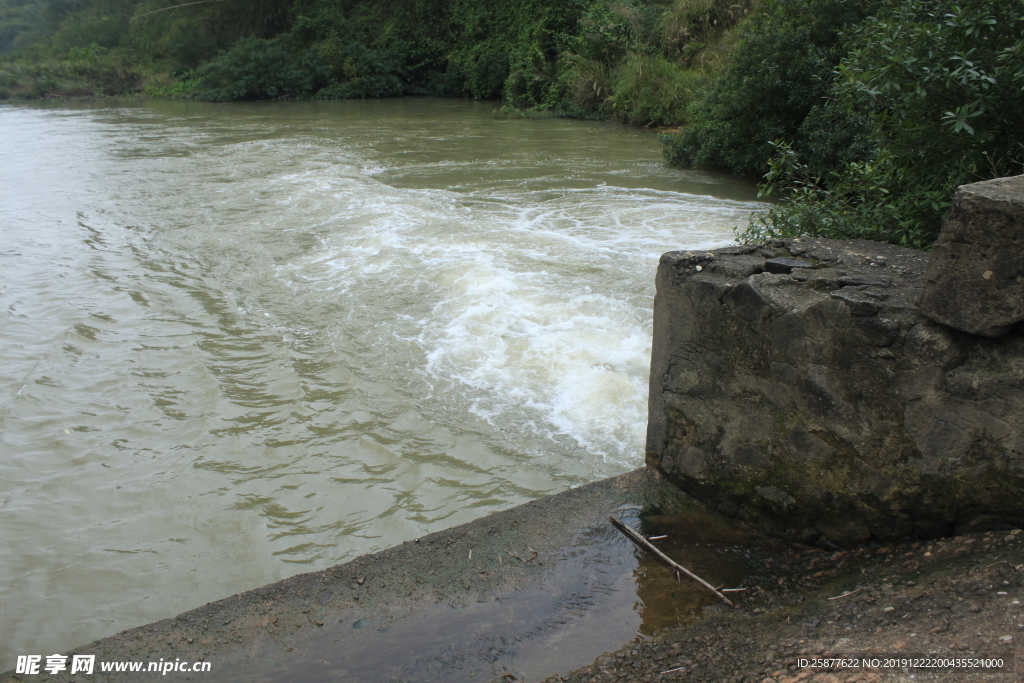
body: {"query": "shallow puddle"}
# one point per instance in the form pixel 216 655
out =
pixel 598 595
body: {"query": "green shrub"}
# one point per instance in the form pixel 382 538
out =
pixel 586 85
pixel 354 70
pixel 103 71
pixel 255 69
pixel 165 85
pixel 780 70
pixel 484 68
pixel 689 25
pixel 940 83
pixel 877 200
pixel 649 90
pixel 513 48
pixel 943 82
pixel 831 136
pixel 633 60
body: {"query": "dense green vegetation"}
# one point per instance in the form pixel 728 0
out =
pixel 861 116
pixel 865 116
pixel 633 60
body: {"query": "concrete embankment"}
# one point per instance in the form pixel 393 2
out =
pixel 534 591
pixel 589 608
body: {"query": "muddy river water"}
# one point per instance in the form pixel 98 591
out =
pixel 239 342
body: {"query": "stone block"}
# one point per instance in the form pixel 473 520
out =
pixel 811 398
pixel 975 276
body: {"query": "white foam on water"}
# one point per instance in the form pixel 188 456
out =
pixel 533 306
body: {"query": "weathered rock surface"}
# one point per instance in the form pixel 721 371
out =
pixel 975 278
pixel 798 387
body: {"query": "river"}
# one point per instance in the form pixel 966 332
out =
pixel 244 341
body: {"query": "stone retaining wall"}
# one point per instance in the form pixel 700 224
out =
pixel 799 387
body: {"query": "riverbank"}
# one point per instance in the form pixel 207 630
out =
pixel 549 590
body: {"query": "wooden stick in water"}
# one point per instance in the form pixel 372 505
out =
pixel 646 545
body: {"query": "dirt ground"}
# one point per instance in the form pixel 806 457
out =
pixel 958 597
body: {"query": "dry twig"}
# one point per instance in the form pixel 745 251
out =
pixel 531 558
pixel 646 545
pixel 846 595
pixel 993 564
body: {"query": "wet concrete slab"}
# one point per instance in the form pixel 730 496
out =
pixel 538 590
